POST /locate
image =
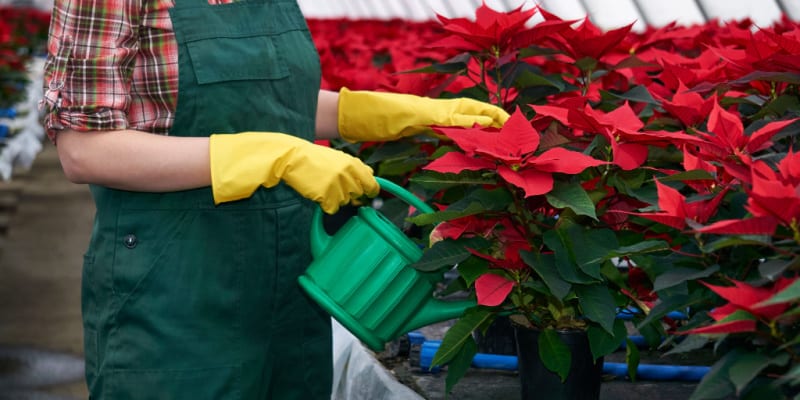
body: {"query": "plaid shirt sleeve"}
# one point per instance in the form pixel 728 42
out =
pixel 91 55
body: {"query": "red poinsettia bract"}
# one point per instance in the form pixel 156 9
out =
pixel 621 127
pixel 511 153
pixel 589 41
pixel 495 31
pixel 727 143
pixel 744 297
pixel 774 199
pixel 675 210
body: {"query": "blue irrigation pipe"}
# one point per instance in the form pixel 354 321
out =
pixel 653 372
pixel 628 314
pixel 8 113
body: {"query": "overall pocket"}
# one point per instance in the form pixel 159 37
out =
pixel 178 289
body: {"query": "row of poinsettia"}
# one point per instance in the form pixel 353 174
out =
pixel 23 32
pixel 673 150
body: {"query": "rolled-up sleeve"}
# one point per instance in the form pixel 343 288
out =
pixel 91 54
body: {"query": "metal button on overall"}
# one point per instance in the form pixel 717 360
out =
pixel 130 241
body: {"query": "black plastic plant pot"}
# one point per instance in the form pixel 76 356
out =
pixel 537 382
pixel 498 339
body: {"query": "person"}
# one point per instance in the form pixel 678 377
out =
pixel 193 124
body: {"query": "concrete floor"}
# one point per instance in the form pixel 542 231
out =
pixel 47 222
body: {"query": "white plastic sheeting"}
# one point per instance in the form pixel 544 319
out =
pixel 683 12
pixel 763 13
pixel 358 375
pixel 604 13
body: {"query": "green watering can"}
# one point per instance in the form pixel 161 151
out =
pixel 361 276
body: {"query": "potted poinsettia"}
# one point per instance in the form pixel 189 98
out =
pixel 638 173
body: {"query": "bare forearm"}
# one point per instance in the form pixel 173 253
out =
pixel 140 161
pixel 327 115
pixel 134 160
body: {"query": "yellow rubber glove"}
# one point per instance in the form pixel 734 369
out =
pixel 242 162
pixel 366 116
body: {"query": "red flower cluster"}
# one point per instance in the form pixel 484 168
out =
pixel 23 32
pixel 371 54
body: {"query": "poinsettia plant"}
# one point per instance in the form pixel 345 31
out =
pixel 646 172
pixel 652 171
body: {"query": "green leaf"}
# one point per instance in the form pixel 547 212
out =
pixel 396 150
pixel 690 343
pixel 739 315
pixel 792 377
pixel 779 106
pixel 446 253
pixel 772 269
pixel 436 180
pixel 574 197
pixel 747 366
pixel 560 243
pixel 788 294
pixel 612 273
pixel 441 216
pixel 769 76
pixel 459 333
pixel 586 64
pixel 667 305
pixel 679 275
pixel 476 202
pixel 545 266
pixel 647 246
pixel 693 175
pixel 631 358
pixel 730 241
pixel 603 343
pixel 716 384
pixel 400 167
pixel 638 94
pixel 472 268
pixel 554 353
pixel 528 78
pixel 765 389
pixel 460 364
pixel 591 246
pixel 598 305
pixel 453 65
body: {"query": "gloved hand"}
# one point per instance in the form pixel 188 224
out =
pixel 375 116
pixel 242 162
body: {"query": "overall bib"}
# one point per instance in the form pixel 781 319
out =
pixel 183 299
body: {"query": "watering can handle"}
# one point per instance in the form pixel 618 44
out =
pixel 403 194
pixel 320 239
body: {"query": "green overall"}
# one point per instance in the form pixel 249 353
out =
pixel 183 299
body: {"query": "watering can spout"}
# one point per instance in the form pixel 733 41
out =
pixel 437 311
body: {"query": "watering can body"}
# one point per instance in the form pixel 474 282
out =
pixel 362 276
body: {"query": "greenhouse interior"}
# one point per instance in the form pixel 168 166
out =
pixel 554 199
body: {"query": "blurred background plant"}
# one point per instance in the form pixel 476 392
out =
pixel 23 33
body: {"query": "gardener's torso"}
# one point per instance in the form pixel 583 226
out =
pixel 190 299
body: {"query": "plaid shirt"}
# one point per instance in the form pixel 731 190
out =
pixel 111 65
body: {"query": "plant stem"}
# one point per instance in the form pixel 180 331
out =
pixel 498 81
